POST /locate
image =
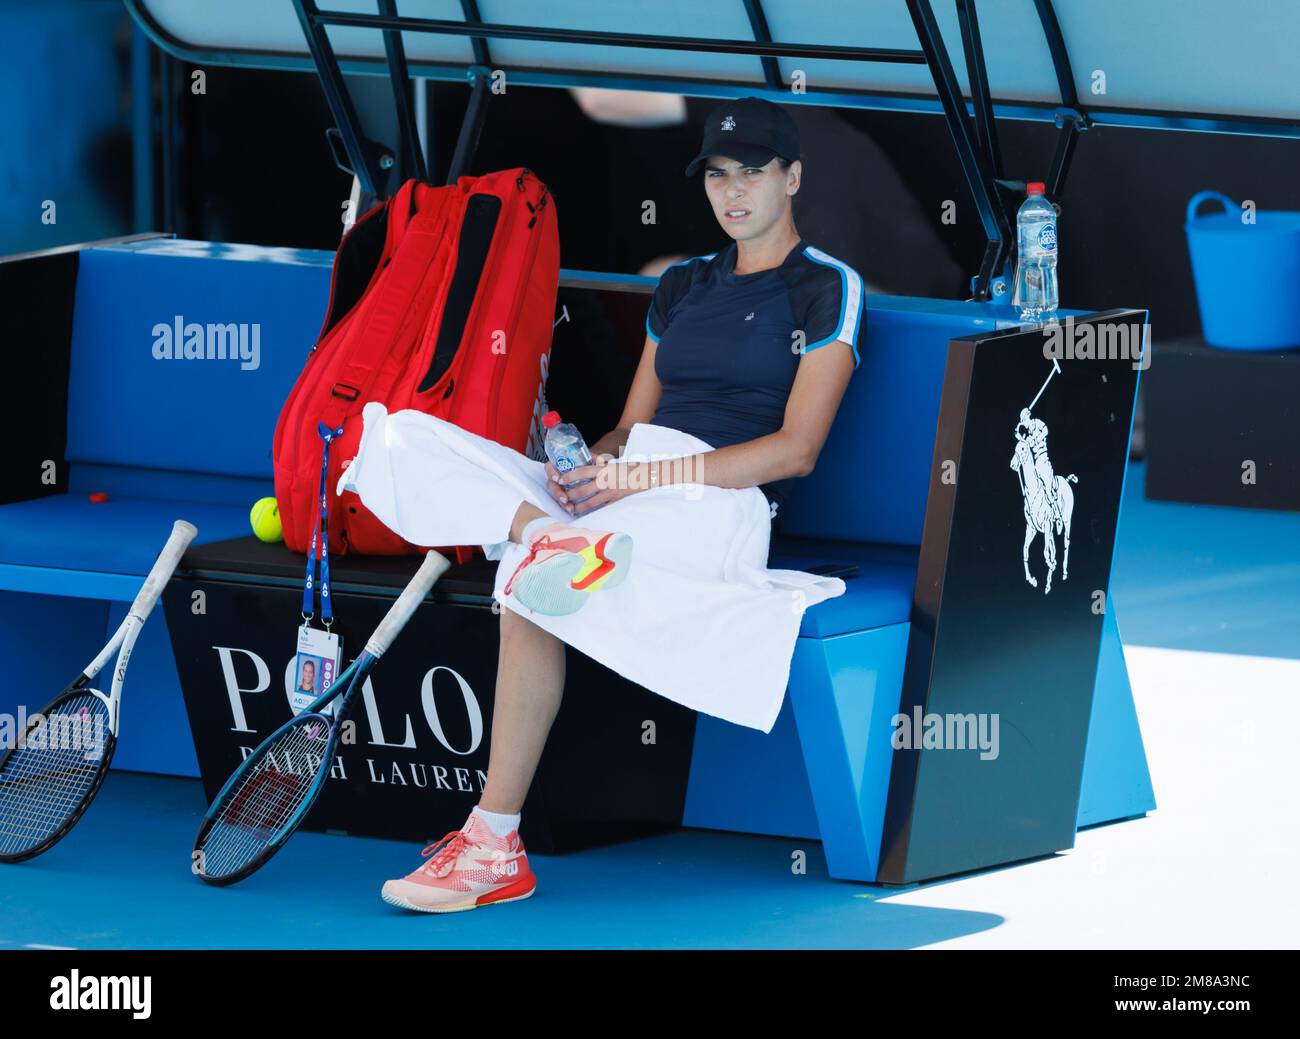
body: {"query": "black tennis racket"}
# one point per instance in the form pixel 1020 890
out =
pixel 56 767
pixel 273 789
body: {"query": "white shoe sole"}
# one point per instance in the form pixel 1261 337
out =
pixel 547 587
pixel 402 903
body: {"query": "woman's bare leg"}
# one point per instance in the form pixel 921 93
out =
pixel 526 514
pixel 530 682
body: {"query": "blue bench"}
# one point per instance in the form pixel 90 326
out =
pixel 168 438
pixel 164 439
pixel 824 772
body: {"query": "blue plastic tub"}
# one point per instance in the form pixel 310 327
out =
pixel 1247 275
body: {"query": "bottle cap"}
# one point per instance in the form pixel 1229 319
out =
pixel 1035 187
pixel 551 418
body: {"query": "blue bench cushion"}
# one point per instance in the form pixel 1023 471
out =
pixel 121 535
pixel 879 595
pixel 214 413
pixel 885 427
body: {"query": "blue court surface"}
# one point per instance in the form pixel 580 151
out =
pixel 1210 601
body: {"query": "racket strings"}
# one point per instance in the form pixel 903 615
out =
pixel 264 803
pixel 48 777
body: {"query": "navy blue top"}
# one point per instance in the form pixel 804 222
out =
pixel 728 346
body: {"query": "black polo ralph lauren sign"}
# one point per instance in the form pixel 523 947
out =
pixel 415 760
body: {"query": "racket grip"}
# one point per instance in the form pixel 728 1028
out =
pixel 182 534
pixel 412 595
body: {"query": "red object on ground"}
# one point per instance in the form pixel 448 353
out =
pixel 98 496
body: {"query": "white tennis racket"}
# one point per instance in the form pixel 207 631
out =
pixel 57 765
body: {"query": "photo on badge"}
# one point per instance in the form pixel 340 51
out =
pixel 315 666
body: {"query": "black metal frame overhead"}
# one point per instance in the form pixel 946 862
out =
pixel 379 170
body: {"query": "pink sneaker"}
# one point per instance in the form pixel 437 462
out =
pixel 565 564
pixel 468 868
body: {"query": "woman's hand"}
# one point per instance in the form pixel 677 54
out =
pixel 553 485
pixel 610 482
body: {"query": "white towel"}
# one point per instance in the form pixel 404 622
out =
pixel 699 619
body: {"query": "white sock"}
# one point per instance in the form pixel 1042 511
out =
pixel 532 527
pixel 498 823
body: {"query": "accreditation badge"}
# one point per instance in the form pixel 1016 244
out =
pixel 317 665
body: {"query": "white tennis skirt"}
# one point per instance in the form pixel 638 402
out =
pixel 699 619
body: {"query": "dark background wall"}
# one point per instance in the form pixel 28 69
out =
pixel 250 164
pixel 1122 238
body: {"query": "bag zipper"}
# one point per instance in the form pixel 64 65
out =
pixel 334 273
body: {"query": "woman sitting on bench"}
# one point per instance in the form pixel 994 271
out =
pixel 747 355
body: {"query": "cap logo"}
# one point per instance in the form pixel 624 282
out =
pixel 728 123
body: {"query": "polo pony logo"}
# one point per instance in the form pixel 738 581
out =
pixel 1048 499
pixel 728 123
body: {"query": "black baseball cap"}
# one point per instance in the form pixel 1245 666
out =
pixel 749 130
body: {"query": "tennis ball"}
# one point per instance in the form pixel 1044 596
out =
pixel 265 519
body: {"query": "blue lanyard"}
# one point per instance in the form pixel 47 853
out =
pixel 320 528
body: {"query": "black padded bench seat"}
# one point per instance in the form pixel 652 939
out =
pixel 878 593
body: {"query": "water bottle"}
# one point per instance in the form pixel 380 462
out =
pixel 566 449
pixel 1036 294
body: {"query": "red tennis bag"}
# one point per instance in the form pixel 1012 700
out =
pixel 442 299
